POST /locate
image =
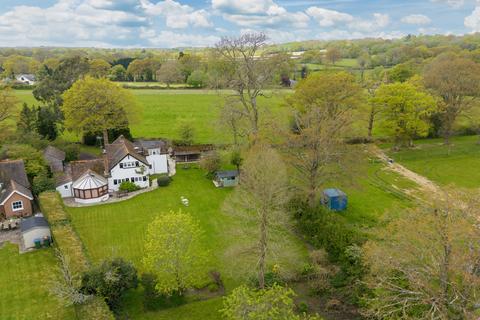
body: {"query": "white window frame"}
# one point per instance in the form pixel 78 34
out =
pixel 17 202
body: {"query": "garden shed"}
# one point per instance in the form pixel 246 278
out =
pixel 226 178
pixel 35 232
pixel 335 199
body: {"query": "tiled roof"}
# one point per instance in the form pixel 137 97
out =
pixel 13 170
pixel 119 149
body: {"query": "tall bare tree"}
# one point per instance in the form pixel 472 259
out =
pixel 247 73
pixel 260 198
pixel 65 287
pixel 457 81
pixel 426 264
pixel 322 107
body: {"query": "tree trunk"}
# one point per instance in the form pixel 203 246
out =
pixel 371 121
pixel 105 138
pixel 263 250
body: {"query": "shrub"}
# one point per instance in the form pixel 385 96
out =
pixel 128 186
pixel 164 180
pixel 150 294
pixel 110 281
pixel 52 207
pixel 211 163
pixel 326 229
pixel 42 183
pixel 186 131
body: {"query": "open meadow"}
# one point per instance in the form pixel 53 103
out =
pixel 162 111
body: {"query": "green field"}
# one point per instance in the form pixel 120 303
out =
pixel 432 159
pixel 24 284
pixel 163 110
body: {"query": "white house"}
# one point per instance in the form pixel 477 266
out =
pixel 91 181
pixel 26 79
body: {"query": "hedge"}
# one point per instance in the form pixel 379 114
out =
pixel 52 207
pixel 70 245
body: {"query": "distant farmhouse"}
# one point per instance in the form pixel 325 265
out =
pixel 26 79
pixel 91 181
pixel 15 194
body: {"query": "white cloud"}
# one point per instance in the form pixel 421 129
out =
pixel 416 19
pixel 259 13
pixel 177 16
pixel 328 18
pixel 68 21
pixel 170 39
pixel 239 7
pixel 379 21
pixel 331 18
pixel 473 20
pixel 451 3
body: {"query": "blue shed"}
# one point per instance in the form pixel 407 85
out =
pixel 334 199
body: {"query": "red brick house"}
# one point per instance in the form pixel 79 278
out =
pixel 15 195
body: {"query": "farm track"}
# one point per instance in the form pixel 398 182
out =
pixel 427 186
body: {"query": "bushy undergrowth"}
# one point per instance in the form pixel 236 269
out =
pixel 330 231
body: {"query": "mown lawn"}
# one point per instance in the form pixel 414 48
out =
pixel 457 166
pixel 118 229
pixel 24 285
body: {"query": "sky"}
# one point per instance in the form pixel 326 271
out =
pixel 189 23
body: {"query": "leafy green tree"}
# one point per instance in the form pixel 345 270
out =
pixel 97 105
pixel 111 280
pixel 405 111
pixel 333 55
pixel 456 80
pixel 34 163
pixel 99 68
pixel 174 252
pixel 197 79
pixel 188 64
pixel 322 108
pixel 118 73
pixel 54 82
pixel 236 159
pixel 170 73
pixel 252 304
pixel 401 73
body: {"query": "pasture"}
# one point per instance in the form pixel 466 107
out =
pixel 455 165
pixel 24 282
pixel 162 111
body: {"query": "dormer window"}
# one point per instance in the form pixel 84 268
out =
pixel 131 164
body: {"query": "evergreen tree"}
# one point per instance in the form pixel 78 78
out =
pixel 27 123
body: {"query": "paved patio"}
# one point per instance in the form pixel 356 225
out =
pixel 12 236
